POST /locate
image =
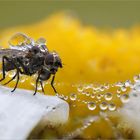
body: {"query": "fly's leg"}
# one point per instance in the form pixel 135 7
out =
pixel 52 84
pixel 11 79
pixel 16 67
pixel 42 87
pixel 16 82
pixel 23 66
pixel 3 66
pixel 3 69
pixel 37 80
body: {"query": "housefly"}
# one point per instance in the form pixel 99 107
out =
pixel 29 57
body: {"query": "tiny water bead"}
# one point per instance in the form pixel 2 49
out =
pixel 11 74
pixel 108 96
pixel 103 106
pixel 123 88
pixel 92 95
pixel 111 106
pixel 118 95
pixel 127 83
pixel 73 96
pixel 91 105
pixel 119 90
pixel 66 97
pixel 124 98
pixel 98 96
pixel 80 88
pixel 102 88
pixel 119 84
pixel 136 78
pixel 87 93
pixel 22 79
pixel 41 41
pixel 106 86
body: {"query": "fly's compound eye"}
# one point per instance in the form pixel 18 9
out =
pixel 49 60
pixel 58 62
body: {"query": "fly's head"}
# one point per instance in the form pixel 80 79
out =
pixel 52 62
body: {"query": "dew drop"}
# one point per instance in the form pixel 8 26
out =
pixel 119 84
pixel 119 90
pixel 80 89
pixel 87 94
pixel 103 106
pixel 123 88
pixel 91 105
pixel 11 74
pixel 124 98
pixel 65 97
pixel 39 87
pixel 106 85
pixel 127 83
pixel 83 93
pixel 41 41
pixel 136 78
pixel 73 96
pixel 22 79
pixel 98 96
pixel 19 40
pixel 92 95
pixel 112 107
pixel 118 95
pixel 102 88
pixel 108 96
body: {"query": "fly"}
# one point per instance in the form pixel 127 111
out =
pixel 29 57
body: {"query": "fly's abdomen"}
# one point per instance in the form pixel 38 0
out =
pixel 8 66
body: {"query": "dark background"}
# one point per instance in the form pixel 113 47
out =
pixel 102 13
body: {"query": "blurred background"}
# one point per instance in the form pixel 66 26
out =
pixel 101 13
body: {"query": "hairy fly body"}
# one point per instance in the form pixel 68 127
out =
pixel 29 57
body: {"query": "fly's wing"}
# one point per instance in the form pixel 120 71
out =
pixel 12 52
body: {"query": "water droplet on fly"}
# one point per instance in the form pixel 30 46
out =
pixel 41 41
pixel 103 106
pixel 108 96
pixel 19 40
pixel 124 98
pixel 91 105
pixel 73 96
pixel 112 107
